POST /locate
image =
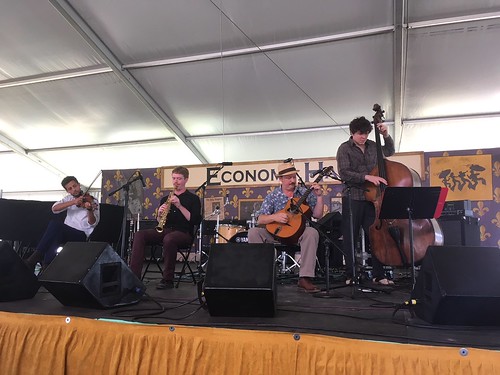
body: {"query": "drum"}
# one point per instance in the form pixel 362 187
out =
pixel 227 231
pixel 241 237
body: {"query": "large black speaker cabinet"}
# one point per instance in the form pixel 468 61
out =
pixel 459 285
pixel 91 274
pixel 17 281
pixel 241 280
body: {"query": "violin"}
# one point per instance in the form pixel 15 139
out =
pixel 86 198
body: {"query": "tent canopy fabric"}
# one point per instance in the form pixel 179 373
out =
pixel 92 85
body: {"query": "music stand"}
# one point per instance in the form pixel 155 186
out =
pixel 412 203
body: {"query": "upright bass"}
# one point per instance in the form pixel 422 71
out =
pixel 390 239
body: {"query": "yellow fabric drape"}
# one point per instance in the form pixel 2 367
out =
pixel 36 344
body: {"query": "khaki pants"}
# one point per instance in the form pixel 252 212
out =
pixel 308 243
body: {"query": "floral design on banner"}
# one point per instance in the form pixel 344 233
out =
pixel 483 234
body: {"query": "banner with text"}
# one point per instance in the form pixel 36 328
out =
pixel 265 173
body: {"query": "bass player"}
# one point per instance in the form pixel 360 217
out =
pixel 272 211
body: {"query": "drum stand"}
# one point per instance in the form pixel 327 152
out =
pixel 284 256
pixel 217 225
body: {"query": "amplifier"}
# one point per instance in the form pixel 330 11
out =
pixel 460 231
pixel 457 208
pixel 458 213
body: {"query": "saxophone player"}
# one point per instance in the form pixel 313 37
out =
pixel 179 214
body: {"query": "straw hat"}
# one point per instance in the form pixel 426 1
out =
pixel 285 169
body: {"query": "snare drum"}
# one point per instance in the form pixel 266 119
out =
pixel 228 231
pixel 241 237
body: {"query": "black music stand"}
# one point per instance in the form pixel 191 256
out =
pixel 412 203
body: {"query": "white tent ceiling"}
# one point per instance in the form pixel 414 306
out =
pixel 87 85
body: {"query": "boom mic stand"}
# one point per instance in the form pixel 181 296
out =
pixel 326 241
pixel 125 187
pixel 355 281
pixel 203 188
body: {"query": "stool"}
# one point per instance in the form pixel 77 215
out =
pixel 286 254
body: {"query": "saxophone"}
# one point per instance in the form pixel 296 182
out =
pixel 163 218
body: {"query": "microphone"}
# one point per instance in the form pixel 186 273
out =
pixel 224 163
pixel 227 199
pixel 141 178
pixel 335 174
pixel 315 172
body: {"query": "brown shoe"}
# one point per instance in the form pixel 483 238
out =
pixel 306 284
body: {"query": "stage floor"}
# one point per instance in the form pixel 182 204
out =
pixel 354 312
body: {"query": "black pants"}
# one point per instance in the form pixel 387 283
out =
pixel 57 234
pixel 363 216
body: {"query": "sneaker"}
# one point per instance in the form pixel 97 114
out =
pixel 165 284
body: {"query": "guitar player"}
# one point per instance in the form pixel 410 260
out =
pixel 274 214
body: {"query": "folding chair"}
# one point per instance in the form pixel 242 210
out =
pixel 156 260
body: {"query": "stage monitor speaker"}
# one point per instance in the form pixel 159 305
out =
pixel 241 280
pixel 459 285
pixel 91 274
pixel 17 281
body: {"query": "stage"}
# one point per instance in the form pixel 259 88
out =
pixel 359 330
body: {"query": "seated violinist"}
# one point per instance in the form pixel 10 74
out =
pixel 273 212
pixel 82 216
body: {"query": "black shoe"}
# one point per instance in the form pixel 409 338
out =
pixel 165 284
pixel 35 258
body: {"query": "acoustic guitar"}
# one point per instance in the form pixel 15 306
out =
pixel 297 210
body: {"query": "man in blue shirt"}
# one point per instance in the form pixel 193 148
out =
pixel 272 211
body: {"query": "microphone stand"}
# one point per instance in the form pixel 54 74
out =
pixel 326 241
pixel 355 281
pixel 203 188
pixel 125 188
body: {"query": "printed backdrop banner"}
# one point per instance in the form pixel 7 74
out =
pixel 264 173
pixel 466 177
